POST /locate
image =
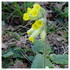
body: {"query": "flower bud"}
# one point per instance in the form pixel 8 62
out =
pixel 35 34
pixel 30 31
pixel 43 35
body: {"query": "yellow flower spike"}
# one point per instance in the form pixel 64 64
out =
pixel 34 12
pixel 29 10
pixel 34 26
pixel 30 31
pixel 31 39
pixel 25 16
pixel 38 23
pixel 43 35
pixel 37 6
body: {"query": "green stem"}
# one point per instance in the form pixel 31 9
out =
pixel 45 45
pixel 45 28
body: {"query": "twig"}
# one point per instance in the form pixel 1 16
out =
pixel 26 57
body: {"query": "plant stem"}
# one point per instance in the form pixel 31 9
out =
pixel 45 27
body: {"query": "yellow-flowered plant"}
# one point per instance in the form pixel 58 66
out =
pixel 37 14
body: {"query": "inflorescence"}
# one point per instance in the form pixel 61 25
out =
pixel 37 14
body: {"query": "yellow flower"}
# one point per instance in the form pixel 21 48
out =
pixel 31 39
pixel 34 12
pixel 25 16
pixel 34 26
pixel 29 10
pixel 36 6
pixel 38 23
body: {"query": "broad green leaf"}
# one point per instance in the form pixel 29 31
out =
pixel 59 59
pixel 48 50
pixel 49 64
pixel 38 62
pixel 8 54
pixel 38 46
pixel 31 58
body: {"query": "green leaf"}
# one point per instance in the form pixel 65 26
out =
pixel 65 13
pixel 49 64
pixel 31 58
pixel 38 62
pixel 17 54
pixel 8 54
pixel 48 50
pixel 57 9
pixel 59 59
pixel 16 36
pixel 18 8
pixel 38 46
pixel 18 49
